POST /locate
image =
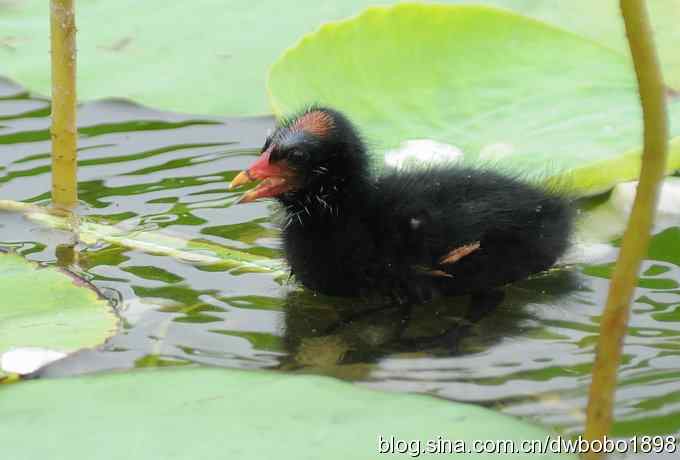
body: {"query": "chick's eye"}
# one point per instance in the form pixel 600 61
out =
pixel 297 154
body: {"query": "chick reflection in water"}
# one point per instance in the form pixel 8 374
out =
pixel 326 334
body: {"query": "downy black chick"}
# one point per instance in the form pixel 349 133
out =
pixel 407 235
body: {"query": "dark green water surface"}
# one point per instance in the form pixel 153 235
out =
pixel 168 172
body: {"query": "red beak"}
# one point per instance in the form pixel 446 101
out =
pixel 276 178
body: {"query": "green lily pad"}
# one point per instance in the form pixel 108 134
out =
pixel 216 61
pixel 601 21
pixel 48 308
pixel 503 88
pixel 209 57
pixel 218 413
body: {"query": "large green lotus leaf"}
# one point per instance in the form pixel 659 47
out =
pixel 600 20
pixel 505 89
pixel 211 56
pixel 46 308
pixel 228 414
pixel 203 56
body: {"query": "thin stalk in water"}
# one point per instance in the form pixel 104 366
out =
pixel 636 238
pixel 63 129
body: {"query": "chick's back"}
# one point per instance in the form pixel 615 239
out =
pixel 521 228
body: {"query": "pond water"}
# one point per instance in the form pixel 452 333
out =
pixel 167 172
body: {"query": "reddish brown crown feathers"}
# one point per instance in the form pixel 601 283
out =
pixel 315 122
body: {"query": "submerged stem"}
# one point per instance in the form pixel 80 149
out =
pixel 63 130
pixel 188 250
pixel 636 238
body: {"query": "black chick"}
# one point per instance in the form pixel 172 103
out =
pixel 405 235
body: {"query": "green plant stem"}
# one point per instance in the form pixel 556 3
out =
pixel 9 378
pixel 63 130
pixel 636 238
pixel 198 252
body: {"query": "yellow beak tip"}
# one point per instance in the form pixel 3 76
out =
pixel 240 179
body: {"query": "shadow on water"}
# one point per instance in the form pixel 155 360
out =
pixel 145 169
pixel 323 333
